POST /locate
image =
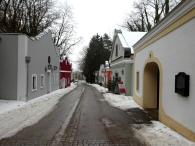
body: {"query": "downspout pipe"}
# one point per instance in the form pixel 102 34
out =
pixel 27 59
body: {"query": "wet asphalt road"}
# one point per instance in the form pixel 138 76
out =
pixel 94 123
pixel 97 123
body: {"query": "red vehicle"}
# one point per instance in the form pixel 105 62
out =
pixel 65 73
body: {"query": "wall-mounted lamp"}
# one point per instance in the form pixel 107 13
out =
pixel 49 67
pixel 27 59
pixel 55 67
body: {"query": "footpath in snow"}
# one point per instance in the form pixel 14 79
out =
pixel 16 115
pixel 155 134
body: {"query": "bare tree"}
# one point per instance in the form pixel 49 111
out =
pixel 40 15
pixel 63 32
pixel 11 14
pixel 26 16
pixel 148 13
pixel 167 6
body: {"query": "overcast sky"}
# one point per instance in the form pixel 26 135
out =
pixel 96 16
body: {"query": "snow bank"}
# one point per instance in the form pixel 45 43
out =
pixel 120 101
pixel 159 134
pixel 17 115
pixel 100 88
pixel 81 81
pixel 7 105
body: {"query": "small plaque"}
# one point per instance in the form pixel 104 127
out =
pixel 182 84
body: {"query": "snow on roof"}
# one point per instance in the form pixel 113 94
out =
pixel 128 39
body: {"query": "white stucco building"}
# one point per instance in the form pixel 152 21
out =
pixel 121 59
pixel 29 67
pixel 169 49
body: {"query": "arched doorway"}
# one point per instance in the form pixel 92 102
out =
pixel 151 89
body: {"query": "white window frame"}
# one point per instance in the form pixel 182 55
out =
pixel 122 72
pixel 34 75
pixel 42 81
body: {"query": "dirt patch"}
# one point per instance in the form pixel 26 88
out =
pixel 139 116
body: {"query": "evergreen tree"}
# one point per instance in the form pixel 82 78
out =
pixel 96 54
pixel 107 42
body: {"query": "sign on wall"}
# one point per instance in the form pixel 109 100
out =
pixel 182 81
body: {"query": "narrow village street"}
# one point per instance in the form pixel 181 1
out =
pixel 97 123
pixel 97 73
pixel 94 122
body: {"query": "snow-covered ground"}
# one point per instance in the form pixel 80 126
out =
pixel 120 101
pixel 16 115
pixel 8 105
pixel 100 88
pixel 155 134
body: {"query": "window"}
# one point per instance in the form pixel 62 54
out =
pixel 116 51
pixel 34 82
pixel 127 53
pixel 116 75
pixel 49 59
pixel 122 72
pixel 137 81
pixel 42 81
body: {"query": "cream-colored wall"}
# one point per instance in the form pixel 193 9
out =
pixel 176 52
